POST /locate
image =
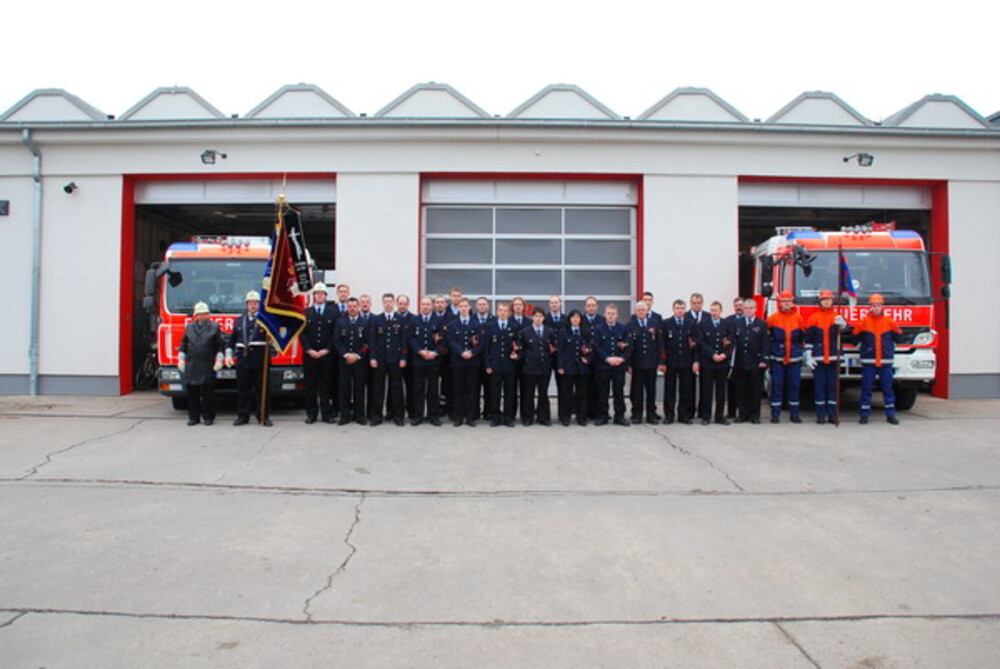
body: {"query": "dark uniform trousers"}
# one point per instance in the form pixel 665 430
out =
pixel 749 384
pixel 249 341
pixel 611 381
pixel 319 373
pixel 678 392
pixel 352 381
pixel 426 393
pixel 394 407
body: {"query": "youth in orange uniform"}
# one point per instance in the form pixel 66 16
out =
pixel 823 355
pixel 787 330
pixel 878 335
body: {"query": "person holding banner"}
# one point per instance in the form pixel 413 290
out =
pixel 822 355
pixel 246 350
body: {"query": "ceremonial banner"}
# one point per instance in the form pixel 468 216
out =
pixel 283 304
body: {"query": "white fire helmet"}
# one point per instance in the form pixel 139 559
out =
pixel 320 288
pixel 253 295
pixel 201 308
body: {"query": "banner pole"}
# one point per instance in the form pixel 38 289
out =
pixel 836 406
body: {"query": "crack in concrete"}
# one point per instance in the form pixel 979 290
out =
pixel 497 622
pixel 792 640
pixel 684 451
pixel 13 620
pixel 267 442
pixel 299 491
pixel 342 567
pixel 49 456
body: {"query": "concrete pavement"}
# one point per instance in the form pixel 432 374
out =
pixel 130 539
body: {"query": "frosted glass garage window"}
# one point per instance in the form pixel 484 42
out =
pixel 598 221
pixel 459 221
pixel 529 221
pixel 598 252
pixel 502 250
pixel 471 281
pixel 529 251
pixel 459 251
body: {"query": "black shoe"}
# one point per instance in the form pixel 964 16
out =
pixel 310 420
pixel 267 423
pixel 509 422
pixel 193 421
pixel 722 421
pixel 755 420
pixel 343 421
pixel 775 419
pixel 363 421
pixel 796 419
pixel 471 423
pixel 331 420
pixel 601 421
pixel 653 420
pixel 821 419
pixel 686 421
pixel 669 420
pixel 863 420
pixel 457 423
pixel 742 419
pixel 495 422
pixel 436 422
pixel 705 421
pixel 399 422
pixel 416 421
pixel 375 422
pixel 545 423
pixel 582 422
pixel 241 420
pixel 209 421
pixel 892 420
pixel 527 422
pixel 622 422
pixel 636 419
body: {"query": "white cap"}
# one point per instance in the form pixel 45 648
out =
pixel 253 295
pixel 200 308
pixel 320 288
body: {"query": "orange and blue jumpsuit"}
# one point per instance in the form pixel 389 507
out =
pixel 787 336
pixel 877 339
pixel 821 339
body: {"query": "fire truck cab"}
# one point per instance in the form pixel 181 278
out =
pixel 218 271
pixel 882 260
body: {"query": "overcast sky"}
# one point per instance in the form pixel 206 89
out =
pixel 877 56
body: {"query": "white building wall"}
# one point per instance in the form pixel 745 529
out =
pixel 378 233
pixel 974 240
pixel 15 277
pixel 691 235
pixel 81 256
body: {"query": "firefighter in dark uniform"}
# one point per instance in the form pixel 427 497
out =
pixel 575 357
pixel 612 345
pixel 482 318
pixel 537 344
pixel 500 352
pixel 679 342
pixel 750 353
pixel 350 340
pixel 428 348
pixel 319 363
pixel 406 317
pixel 199 359
pixel 556 320
pixel 519 320
pixel 713 365
pixel 465 343
pixel 645 360
pixel 387 357
pixel 246 350
pixel 591 319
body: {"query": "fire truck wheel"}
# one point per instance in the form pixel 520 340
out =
pixel 906 397
pixel 180 403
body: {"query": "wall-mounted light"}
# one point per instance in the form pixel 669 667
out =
pixel 209 156
pixel 864 159
pixel 70 187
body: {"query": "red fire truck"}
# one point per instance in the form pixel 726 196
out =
pixel 882 260
pixel 218 271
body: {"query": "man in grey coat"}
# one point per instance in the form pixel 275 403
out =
pixel 199 359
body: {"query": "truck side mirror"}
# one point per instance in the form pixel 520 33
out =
pixel 946 291
pixel 946 269
pixel 149 283
pixel 767 276
pixel 148 304
pixel 767 289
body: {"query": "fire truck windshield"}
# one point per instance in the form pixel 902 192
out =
pixel 899 276
pixel 222 284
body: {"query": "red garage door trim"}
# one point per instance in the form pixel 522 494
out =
pixel 126 295
pixel 939 248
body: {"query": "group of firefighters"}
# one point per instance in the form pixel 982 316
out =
pixel 459 360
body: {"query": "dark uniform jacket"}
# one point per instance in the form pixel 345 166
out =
pixel 427 336
pixel 536 350
pixel 351 337
pixel 499 344
pixel 588 326
pixel 749 342
pixel 387 338
pixel 556 325
pixel 318 332
pixel 611 341
pixel 713 340
pixel 647 344
pixel 575 352
pixel 248 342
pixel 201 344
pixel 680 343
pixel 464 337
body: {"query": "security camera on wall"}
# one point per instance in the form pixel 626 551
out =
pixel 70 187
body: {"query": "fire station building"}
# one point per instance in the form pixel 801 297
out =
pixel 561 195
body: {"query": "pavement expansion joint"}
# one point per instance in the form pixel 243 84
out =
pixel 792 640
pixel 49 456
pixel 14 619
pixel 684 451
pixel 342 567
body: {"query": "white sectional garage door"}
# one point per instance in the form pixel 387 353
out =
pixel 503 238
